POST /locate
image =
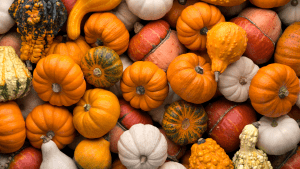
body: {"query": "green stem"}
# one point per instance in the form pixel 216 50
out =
pixel 274 123
pixel 283 92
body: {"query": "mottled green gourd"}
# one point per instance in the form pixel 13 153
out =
pixel 15 77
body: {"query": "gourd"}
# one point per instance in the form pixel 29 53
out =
pixel 207 153
pixel 221 55
pixel 193 23
pixel 106 29
pixel 277 136
pixel 13 131
pixel 37 23
pixel 184 122
pixel 101 67
pixel 148 92
pixel 225 2
pixel 143 147
pixel 96 113
pixel 149 9
pixel 248 156
pixel 6 21
pixel 234 82
pixel 12 38
pixel 83 7
pixel 274 90
pixel 186 73
pixel 289 13
pixel 269 3
pixel 59 80
pixel 53 158
pixel 172 165
pixel 16 79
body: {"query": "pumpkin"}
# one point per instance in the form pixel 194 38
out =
pixel 16 79
pixel 225 2
pixel 289 13
pixel 117 164
pixel 207 153
pixel 47 119
pixel 93 153
pixel 273 134
pixel 149 9
pixel 59 80
pixel 191 78
pixel 230 11
pixel 69 4
pixel 185 158
pixel 287 48
pixel 13 131
pixel 155 42
pixel 143 146
pixel 226 42
pixel 193 23
pixel 248 156
pixel 184 122
pixel 12 38
pixel 106 29
pixel 269 3
pixel 74 49
pixel 83 7
pixel 144 85
pixel 38 24
pixel 292 162
pixel 96 113
pixel 274 90
pixel 172 165
pixel 234 82
pixel 6 21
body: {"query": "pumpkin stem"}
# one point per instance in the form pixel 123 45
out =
pixel 199 69
pixel 283 92
pixel 48 137
pixel 97 72
pixel 294 2
pixel 99 42
pixel 28 65
pixel 274 123
pixel 201 140
pixel 217 74
pixel 242 81
pixel 140 90
pixel 182 2
pixel 56 87
pixel 185 124
pixel 137 27
pixel 256 124
pixel 204 31
pixel 143 159
pixel 87 107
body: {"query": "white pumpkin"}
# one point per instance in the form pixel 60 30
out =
pixel 149 9
pixel 231 11
pixel 289 13
pixel 172 165
pixel 157 114
pixel 6 21
pixel 116 88
pixel 143 146
pixel 234 82
pixel 277 136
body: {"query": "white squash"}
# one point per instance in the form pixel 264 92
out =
pixel 231 11
pixel 289 13
pixel 234 82
pixel 157 114
pixel 6 21
pixel 279 135
pixel 149 9
pixel 172 165
pixel 142 147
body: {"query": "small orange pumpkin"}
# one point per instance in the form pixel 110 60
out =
pixel 269 3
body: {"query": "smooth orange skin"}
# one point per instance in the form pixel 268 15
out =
pixel 269 3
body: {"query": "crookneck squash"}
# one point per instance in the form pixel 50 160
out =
pixel 38 22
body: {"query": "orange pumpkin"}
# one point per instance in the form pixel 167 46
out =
pixel 144 85
pixel 59 80
pixel 194 22
pixel 13 131
pixel 47 120
pixel 274 90
pixel 269 3
pixel 191 78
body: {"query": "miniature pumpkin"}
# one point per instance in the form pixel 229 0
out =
pixel 83 7
pixel 143 147
pixel 274 90
pixel 248 156
pixel 234 82
pixel 74 49
pixel 106 29
pixel 193 23
pixel 225 2
pixel 231 43
pixel 117 164
pixel 6 21
pixel 269 3
pixel 59 80
pixel 96 113
pixel 144 85
pixel 13 131
pixel 207 153
pixel 149 9
pixel 184 122
pixel 191 78
pixel 289 13
pixel 15 77
pixel 274 132
pixel 51 120
pixel 102 67
pixel 172 165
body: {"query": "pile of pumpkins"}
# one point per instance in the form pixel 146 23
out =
pixel 150 84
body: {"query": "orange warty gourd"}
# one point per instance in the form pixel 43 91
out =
pixel 144 85
pixel 274 90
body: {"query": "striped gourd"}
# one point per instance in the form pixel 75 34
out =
pixel 15 77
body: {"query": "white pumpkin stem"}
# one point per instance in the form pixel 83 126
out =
pixel 140 90
pixel 283 92
pixel 217 74
pixel 87 107
pixel 97 72
pixel 137 27
pixel 143 159
pixel 294 2
pixel 56 87
pixel 182 2
pixel 274 123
